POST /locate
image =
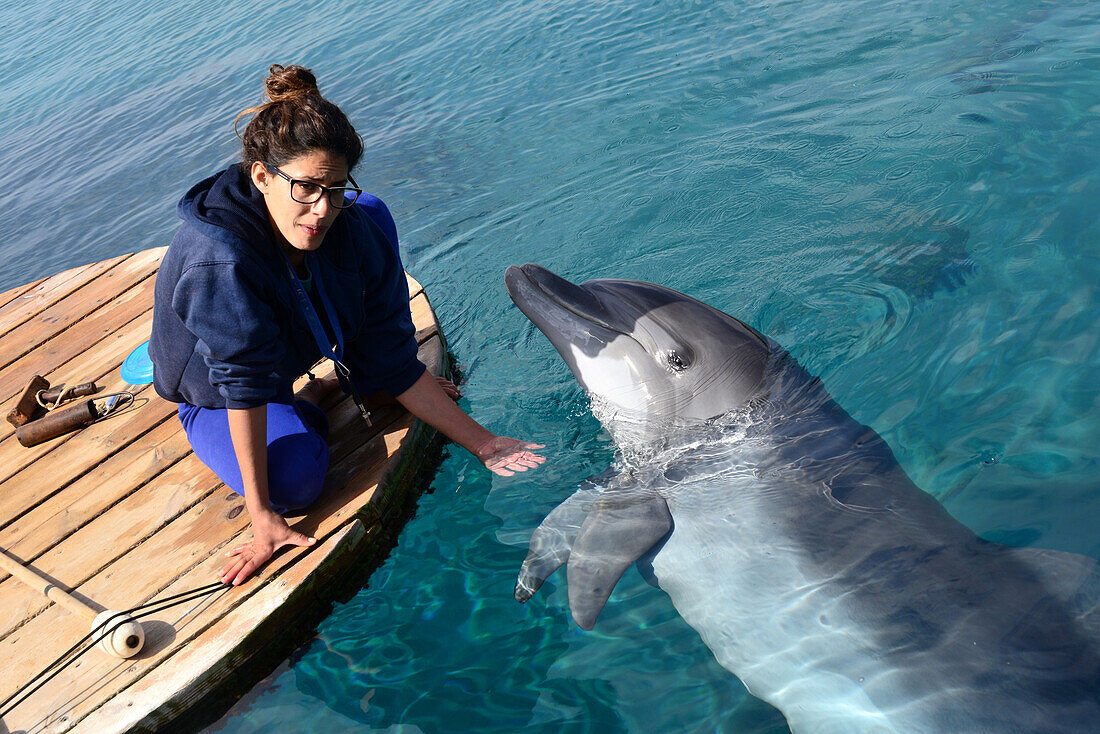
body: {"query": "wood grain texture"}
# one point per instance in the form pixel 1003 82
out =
pixel 79 304
pixel 48 291
pixel 122 513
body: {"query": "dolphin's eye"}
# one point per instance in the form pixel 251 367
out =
pixel 676 363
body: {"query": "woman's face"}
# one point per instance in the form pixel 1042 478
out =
pixel 300 228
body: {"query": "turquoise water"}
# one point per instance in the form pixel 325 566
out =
pixel 902 193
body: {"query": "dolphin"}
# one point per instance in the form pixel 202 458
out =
pixel 788 536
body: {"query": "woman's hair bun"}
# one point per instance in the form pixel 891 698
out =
pixel 295 120
pixel 285 83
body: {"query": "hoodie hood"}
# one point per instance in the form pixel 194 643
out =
pixel 228 204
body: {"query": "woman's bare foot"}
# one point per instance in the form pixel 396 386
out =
pixel 318 389
pixel 449 387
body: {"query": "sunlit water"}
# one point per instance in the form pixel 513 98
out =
pixel 903 194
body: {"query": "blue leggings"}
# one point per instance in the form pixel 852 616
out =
pixel 297 453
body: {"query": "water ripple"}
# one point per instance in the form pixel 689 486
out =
pixel 903 194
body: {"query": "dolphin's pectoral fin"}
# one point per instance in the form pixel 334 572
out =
pixel 549 550
pixel 619 529
pixel 551 541
pixel 645 563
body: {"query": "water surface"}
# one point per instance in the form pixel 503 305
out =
pixel 903 194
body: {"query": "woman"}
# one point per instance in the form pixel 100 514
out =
pixel 278 262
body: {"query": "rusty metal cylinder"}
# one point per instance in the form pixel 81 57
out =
pixel 57 423
pixel 76 391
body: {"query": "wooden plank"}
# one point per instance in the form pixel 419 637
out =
pixel 93 364
pixel 217 515
pixel 133 579
pixel 51 290
pixel 414 286
pixel 225 645
pixel 87 334
pixel 56 539
pixel 364 468
pixel 53 520
pixel 116 485
pixel 78 305
pixel 422 318
pixel 348 413
pixel 95 546
pixel 94 493
pixel 139 576
pixel 173 514
pixel 320 524
pixel 83 450
pixel 8 296
pixel 100 364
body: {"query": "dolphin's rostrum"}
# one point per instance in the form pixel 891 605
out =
pixel 787 534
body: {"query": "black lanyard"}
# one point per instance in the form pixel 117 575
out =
pixel 333 352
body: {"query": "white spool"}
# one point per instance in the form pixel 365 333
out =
pixel 121 636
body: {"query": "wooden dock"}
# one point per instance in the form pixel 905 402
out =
pixel 122 514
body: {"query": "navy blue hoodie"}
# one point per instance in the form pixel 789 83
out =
pixel 227 330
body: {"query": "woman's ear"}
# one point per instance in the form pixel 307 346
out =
pixel 261 178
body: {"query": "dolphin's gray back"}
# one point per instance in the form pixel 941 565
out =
pixel 794 542
pixel 851 600
pixel 887 615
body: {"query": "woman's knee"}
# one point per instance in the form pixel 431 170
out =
pixel 296 466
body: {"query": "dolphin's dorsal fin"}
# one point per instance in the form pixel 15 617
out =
pixel 619 528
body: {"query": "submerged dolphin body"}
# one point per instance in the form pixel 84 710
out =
pixel 789 537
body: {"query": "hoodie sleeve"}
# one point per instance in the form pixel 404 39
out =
pixel 385 347
pixel 236 330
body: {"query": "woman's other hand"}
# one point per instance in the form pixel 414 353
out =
pixel 506 456
pixel 270 532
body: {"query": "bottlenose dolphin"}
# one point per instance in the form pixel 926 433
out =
pixel 787 534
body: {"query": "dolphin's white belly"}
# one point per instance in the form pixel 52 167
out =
pixel 732 577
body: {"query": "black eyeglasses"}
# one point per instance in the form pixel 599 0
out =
pixel 308 192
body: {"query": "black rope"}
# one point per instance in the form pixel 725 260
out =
pixel 167 603
pixel 119 618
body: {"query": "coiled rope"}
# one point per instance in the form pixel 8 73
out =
pixel 105 628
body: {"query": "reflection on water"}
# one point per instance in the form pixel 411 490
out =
pixel 795 164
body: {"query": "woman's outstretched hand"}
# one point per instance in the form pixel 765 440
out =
pixel 506 456
pixel 431 399
pixel 269 533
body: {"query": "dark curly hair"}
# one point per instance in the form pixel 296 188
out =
pixel 294 121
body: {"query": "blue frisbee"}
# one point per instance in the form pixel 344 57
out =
pixel 138 368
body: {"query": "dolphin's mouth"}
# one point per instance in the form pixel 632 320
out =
pixel 522 280
pixel 561 309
